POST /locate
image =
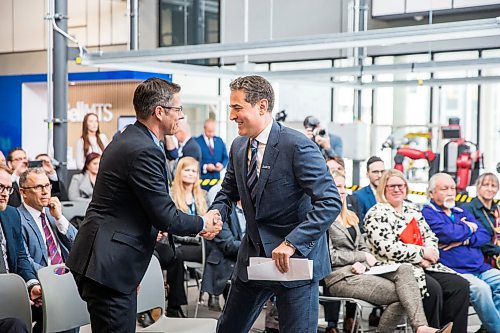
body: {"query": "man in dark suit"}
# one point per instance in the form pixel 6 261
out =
pixel 289 200
pixel 13 257
pixel 366 196
pixel 44 227
pixel 213 154
pixel 130 204
pixel 58 187
pixel 17 161
pixel 187 144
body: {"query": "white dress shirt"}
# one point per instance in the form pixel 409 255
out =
pixel 262 138
pixel 62 225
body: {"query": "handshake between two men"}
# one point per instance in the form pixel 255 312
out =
pixel 213 224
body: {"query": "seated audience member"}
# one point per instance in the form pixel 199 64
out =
pixel 176 295
pixel 58 187
pixel 17 161
pixel 488 213
pixel 82 184
pixel 13 257
pixel 336 163
pixel 2 158
pixel 351 258
pixel 191 199
pixel 366 196
pixel 221 257
pixel 460 240
pixel 397 233
pixel 48 235
pixel 12 325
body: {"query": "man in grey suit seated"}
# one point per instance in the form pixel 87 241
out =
pixel 47 233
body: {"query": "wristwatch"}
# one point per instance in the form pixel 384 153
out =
pixel 287 243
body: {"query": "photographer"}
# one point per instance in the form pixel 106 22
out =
pixel 329 144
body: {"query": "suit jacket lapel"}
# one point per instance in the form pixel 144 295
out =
pixel 34 227
pixel 344 230
pixel 268 161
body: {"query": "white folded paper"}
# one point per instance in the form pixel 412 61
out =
pixel 382 269
pixel 265 269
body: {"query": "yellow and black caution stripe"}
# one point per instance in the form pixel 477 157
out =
pixel 210 182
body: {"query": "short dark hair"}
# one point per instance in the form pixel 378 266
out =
pixel 372 160
pixel 40 155
pixel 337 159
pixel 12 151
pixel 256 88
pixel 151 93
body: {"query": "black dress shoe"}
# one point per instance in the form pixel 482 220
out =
pixel 446 328
pixel 175 312
pixel 144 319
pixel 213 303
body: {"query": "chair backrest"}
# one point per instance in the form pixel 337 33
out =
pixel 63 309
pixel 197 265
pixel 151 290
pixel 14 299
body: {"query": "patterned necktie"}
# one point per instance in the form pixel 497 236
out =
pixel 3 267
pixel 55 257
pixel 252 177
pixel 211 147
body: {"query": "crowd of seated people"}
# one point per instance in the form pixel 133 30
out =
pixel 449 255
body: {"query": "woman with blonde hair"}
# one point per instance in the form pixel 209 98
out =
pixel 91 141
pixel 351 258
pixel 190 198
pixel 486 211
pixel 398 233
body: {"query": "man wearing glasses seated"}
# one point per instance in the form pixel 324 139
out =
pixel 47 233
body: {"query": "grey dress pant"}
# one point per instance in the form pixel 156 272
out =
pixel 398 290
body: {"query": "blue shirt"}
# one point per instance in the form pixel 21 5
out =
pixel 449 229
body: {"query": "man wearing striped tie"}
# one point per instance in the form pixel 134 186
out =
pixel 47 233
pixel 289 201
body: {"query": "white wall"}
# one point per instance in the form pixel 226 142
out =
pixel 34 113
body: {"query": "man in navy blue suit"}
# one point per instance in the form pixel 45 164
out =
pixel 213 154
pixel 366 196
pixel 289 201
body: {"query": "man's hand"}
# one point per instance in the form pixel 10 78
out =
pixel 431 254
pixel 213 224
pixel 210 167
pixel 281 256
pixel 219 166
pixel 55 208
pixel 472 225
pixel 370 259
pixel 446 247
pixel 36 295
pixel 323 141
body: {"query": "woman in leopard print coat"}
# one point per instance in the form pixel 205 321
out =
pixel 445 294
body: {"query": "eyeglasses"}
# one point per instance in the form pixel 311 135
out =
pixel 39 188
pixel 8 189
pixel 393 187
pixel 177 109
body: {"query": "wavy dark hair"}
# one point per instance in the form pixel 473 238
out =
pixel 85 133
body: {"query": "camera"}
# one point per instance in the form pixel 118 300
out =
pixel 34 164
pixel 312 123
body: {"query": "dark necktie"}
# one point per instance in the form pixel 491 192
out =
pixel 211 147
pixel 252 177
pixel 3 267
pixel 55 257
